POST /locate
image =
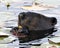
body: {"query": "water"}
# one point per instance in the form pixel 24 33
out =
pixel 8 17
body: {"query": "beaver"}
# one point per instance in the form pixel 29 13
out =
pixel 32 26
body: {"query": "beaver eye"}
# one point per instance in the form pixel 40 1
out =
pixel 22 16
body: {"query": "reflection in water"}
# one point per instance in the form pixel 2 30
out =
pixel 38 34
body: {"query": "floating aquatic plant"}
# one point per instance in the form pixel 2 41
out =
pixel 8 5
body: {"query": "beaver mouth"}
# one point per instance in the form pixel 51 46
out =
pixel 19 34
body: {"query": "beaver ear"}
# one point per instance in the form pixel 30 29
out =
pixel 53 20
pixel 22 15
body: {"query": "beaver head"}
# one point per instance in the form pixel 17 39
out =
pixel 35 21
pixel 34 26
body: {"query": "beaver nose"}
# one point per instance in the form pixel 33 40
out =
pixel 54 21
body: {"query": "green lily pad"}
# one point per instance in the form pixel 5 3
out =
pixel 3 37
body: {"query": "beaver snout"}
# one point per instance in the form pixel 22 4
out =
pixel 20 32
